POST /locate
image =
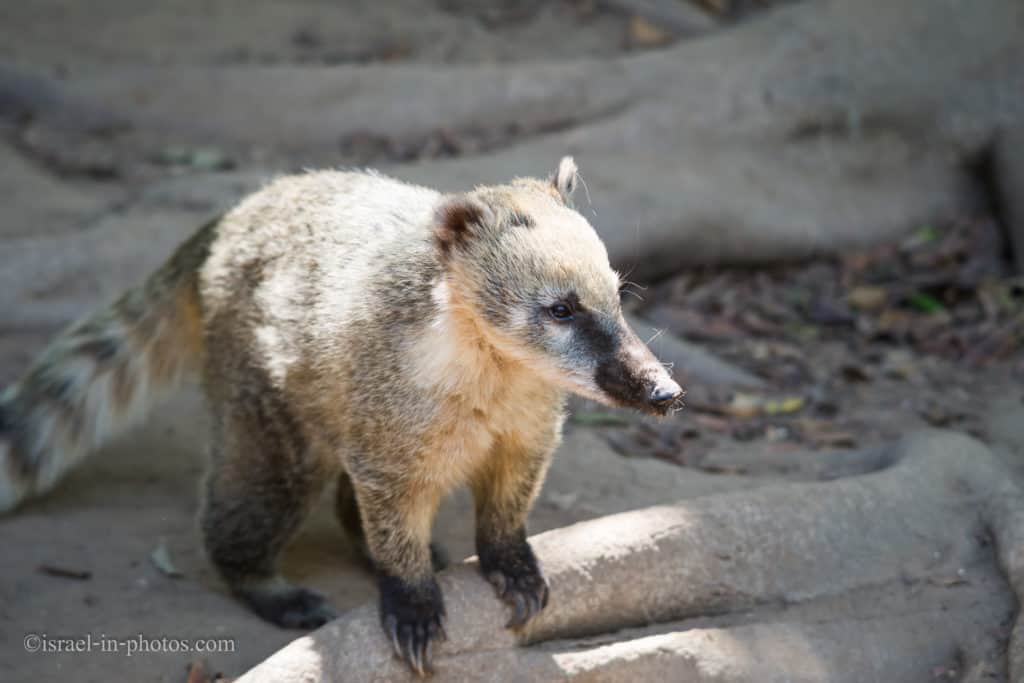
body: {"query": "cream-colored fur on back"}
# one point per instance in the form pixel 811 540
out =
pixel 348 294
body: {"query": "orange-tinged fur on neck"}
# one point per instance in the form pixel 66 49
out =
pixel 485 397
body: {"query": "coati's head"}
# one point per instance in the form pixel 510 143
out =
pixel 536 276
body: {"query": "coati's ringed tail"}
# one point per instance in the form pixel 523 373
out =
pixel 100 375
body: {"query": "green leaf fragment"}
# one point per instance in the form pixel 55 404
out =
pixel 925 302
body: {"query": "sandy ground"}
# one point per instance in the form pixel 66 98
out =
pixel 80 227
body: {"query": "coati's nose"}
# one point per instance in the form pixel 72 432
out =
pixel 664 393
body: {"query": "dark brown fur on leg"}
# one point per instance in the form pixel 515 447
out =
pixel 346 508
pixel 260 490
pixel 504 494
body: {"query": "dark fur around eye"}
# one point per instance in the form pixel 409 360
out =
pixel 561 312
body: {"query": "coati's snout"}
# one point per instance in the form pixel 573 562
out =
pixel 611 364
pixel 629 375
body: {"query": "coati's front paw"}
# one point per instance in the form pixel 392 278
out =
pixel 413 618
pixel 517 578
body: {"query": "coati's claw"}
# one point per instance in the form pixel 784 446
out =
pixel 413 619
pixel 412 641
pixel 518 580
pixel 390 625
pixel 522 608
pixel 415 647
pixel 527 595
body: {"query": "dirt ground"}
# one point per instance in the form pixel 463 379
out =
pixel 848 353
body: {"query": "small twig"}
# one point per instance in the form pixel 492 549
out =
pixel 64 573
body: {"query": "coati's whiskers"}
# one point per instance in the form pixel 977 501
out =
pixel 624 290
pixel 657 333
pixel 586 190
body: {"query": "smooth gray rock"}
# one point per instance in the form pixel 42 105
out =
pixel 880 577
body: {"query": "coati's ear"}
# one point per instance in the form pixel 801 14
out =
pixel 458 219
pixel 564 179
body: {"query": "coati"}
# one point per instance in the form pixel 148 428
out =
pixel 353 328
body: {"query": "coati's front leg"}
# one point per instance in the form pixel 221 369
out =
pixel 397 516
pixel 347 511
pixel 504 493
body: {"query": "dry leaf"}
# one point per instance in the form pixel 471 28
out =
pixel 825 434
pixel 948 581
pixel 197 674
pixel 783 406
pixel 743 405
pixel 161 559
pixel 867 298
pixel 853 372
pixel 645 34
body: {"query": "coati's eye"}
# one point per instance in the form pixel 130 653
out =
pixel 560 312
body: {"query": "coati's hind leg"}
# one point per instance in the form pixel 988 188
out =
pixel 347 509
pixel 260 490
pixel 504 492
